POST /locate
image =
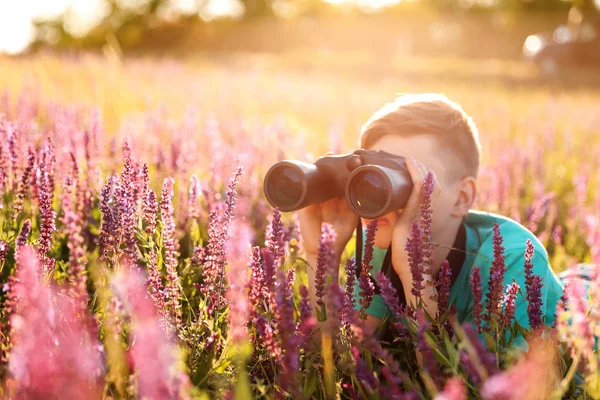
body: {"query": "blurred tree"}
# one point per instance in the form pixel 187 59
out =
pixel 257 8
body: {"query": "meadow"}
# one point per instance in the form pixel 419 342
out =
pixel 140 258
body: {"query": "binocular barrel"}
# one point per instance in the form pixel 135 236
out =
pixel 371 190
pixel 293 185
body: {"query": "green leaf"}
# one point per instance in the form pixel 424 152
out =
pixel 489 341
pixel 310 384
pixel 451 350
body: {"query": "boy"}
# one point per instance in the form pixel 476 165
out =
pixel 435 135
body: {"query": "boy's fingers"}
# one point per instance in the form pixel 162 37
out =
pixel 412 205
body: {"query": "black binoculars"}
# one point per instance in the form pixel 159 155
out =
pixel 374 183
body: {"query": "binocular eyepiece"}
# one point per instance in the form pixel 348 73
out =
pixel 374 183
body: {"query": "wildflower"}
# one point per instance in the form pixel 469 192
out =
pixel 478 362
pixel 47 216
pixel 350 283
pixel 425 222
pixel 477 296
pixel 307 321
pixel 529 252
pixel 534 298
pixel 362 371
pixel 509 303
pixel 24 184
pixel 21 240
pixel 154 356
pixel 325 259
pixel 170 261
pixel 497 271
pixel 429 362
pixel 258 291
pixel 286 331
pixel 444 284
pixel 389 294
pixel 274 243
pixel 367 288
pixel 415 259
pixel 3 251
pixel 150 212
pixel 54 352
pixel 193 196
pixel 107 240
pixel 75 242
pixel 126 208
pixel 265 336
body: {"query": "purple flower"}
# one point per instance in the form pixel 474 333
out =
pixel 75 242
pixel 496 281
pixel 237 293
pixel 307 321
pixel 362 371
pixel 193 196
pixel 509 303
pixel 153 354
pixel 325 259
pixel 21 240
pixel 171 254
pixel 150 212
pixel 156 289
pixel 478 362
pixel 47 216
pixel 107 240
pixel 350 284
pixel 414 247
pixel 429 363
pixel 477 296
pixel 275 240
pixel 265 336
pixel 24 183
pixel 389 294
pixel 529 252
pixel 290 362
pixel 444 284
pixel 534 307
pixel 425 222
pixel 539 209
pixel 367 289
pixel 55 350
pixel 258 291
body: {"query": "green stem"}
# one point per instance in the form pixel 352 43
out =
pixel 564 384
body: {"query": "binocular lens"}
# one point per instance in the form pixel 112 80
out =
pixel 285 186
pixel 369 191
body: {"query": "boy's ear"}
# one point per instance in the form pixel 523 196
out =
pixel 466 195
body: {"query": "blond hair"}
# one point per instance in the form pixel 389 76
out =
pixel 428 114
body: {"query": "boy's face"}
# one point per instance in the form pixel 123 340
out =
pixel 426 150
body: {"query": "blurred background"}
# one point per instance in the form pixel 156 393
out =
pixel 510 38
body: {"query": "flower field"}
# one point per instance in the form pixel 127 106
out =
pixel 140 259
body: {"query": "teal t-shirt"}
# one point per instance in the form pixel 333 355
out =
pixel 480 252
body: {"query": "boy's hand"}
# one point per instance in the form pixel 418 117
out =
pixel 335 212
pixel 406 217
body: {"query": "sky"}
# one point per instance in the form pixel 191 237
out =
pixel 16 29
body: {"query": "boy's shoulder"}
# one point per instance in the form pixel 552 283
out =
pixel 514 235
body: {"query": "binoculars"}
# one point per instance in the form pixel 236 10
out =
pixel 374 183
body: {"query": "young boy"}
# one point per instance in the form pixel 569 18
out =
pixel 435 135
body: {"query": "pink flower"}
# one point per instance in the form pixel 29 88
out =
pixel 55 353
pixel 154 356
pixel 454 389
pixel 171 262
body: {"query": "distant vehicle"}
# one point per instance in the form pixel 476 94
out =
pixel 552 51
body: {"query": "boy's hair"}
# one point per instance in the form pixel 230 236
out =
pixel 429 114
